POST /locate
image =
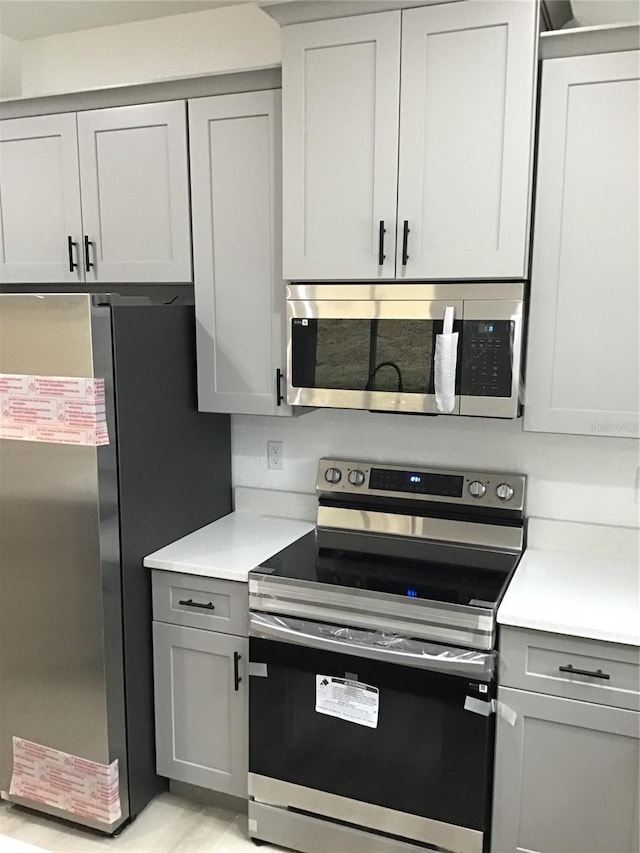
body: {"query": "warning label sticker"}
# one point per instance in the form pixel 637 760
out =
pixel 66 782
pixel 347 700
pixel 54 409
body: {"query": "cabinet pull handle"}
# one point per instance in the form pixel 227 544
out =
pixel 70 244
pixel 279 394
pixel 189 602
pixel 237 657
pixel 87 263
pixel 381 233
pixel 572 671
pixel 405 242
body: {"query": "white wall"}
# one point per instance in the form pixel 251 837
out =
pixel 576 478
pixel 592 13
pixel 9 67
pixel 227 39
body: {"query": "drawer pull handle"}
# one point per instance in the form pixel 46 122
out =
pixel 191 603
pixel 279 394
pixel 405 242
pixel 597 674
pixel 381 233
pixel 73 265
pixel 87 263
pixel 237 657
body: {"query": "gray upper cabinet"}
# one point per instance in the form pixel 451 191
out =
pixel 236 204
pixel 96 196
pixel 582 359
pixel 39 199
pixel 408 143
pixel 566 776
pixel 341 89
pixel 466 132
pixel 135 192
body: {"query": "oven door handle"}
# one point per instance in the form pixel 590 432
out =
pixel 375 645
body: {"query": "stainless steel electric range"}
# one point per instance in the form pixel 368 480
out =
pixel 373 660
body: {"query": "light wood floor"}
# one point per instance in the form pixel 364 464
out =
pixel 170 824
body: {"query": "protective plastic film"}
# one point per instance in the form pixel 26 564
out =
pixel 373 644
pixel 66 782
pixel 53 409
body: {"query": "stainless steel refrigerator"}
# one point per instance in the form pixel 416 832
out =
pixel 85 493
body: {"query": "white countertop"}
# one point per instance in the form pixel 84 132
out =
pixel 581 595
pixel 230 547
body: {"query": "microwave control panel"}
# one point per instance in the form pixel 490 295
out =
pixel 487 358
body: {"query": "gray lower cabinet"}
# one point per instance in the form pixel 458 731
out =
pixel 566 776
pixel 201 705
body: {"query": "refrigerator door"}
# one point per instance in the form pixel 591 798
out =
pixel 61 671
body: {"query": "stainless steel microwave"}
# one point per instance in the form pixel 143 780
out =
pixel 380 347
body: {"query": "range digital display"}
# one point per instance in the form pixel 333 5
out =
pixel 442 485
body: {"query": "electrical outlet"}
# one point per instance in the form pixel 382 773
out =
pixel 275 455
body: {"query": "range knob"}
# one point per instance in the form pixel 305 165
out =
pixel 356 478
pixel 477 489
pixel 504 492
pixel 333 475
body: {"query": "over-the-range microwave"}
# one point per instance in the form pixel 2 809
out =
pixel 415 348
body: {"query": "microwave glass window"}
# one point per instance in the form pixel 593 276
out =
pixel 361 355
pixel 403 355
pixel 342 353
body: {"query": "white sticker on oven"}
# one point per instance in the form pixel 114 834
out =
pixel 347 700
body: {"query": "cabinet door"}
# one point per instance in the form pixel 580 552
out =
pixel 40 223
pixel 340 82
pixel 201 715
pixel 135 192
pixel 236 175
pixel 466 130
pixel 566 777
pixel 582 361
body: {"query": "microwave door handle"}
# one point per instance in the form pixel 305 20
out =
pixel 400 650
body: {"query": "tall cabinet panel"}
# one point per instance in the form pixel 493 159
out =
pixel 340 117
pixel 582 364
pixel 135 193
pixel 466 118
pixel 40 219
pixel 235 171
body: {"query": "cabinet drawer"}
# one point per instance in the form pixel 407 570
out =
pixel 197 602
pixel 571 667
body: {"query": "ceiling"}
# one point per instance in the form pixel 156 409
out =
pixel 27 19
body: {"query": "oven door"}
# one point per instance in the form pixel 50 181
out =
pixel 399 749
pixel 366 353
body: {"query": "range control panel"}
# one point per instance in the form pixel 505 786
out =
pixel 495 489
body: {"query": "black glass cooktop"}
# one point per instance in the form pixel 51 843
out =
pixel 434 571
